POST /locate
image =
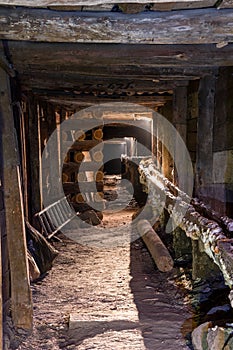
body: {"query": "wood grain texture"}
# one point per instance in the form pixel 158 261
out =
pixel 225 4
pixel 169 4
pixel 119 60
pixel 204 26
pixel 15 227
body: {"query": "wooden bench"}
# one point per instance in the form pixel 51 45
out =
pixel 54 217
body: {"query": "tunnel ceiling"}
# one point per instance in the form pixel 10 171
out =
pixel 83 73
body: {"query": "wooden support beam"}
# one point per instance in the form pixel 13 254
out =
pixel 205 126
pixel 101 59
pixel 180 123
pixel 34 156
pixel 75 3
pixel 90 100
pixel 202 26
pixel 72 84
pixel 225 4
pixel 15 227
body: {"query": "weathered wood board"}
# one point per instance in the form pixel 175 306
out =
pixel 202 26
pixel 21 302
pixel 157 4
pixel 225 4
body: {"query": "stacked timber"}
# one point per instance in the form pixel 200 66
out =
pixel 83 173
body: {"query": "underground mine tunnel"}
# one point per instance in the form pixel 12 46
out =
pixel 116 163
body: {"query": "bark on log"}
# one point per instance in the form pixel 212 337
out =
pixel 156 247
pixel 202 26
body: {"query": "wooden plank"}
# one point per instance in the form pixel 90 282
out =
pixel 225 4
pixel 15 228
pixel 76 3
pixel 75 84
pixel 118 60
pixel 90 100
pixel 34 157
pixel 202 26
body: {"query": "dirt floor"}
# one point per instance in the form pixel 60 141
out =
pixel 108 298
pixel 104 291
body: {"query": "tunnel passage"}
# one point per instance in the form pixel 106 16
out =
pixel 51 81
pixel 103 149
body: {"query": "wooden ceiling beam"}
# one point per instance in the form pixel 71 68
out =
pixel 73 84
pixel 101 59
pixel 201 26
pixel 89 100
pixel 49 3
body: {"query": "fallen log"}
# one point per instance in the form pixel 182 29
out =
pixel 156 247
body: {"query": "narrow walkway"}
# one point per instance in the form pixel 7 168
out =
pixel 117 300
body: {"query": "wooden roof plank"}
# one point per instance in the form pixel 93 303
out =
pixel 225 4
pixel 204 26
pixel 75 3
pixel 118 60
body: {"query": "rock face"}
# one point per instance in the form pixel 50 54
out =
pixel 205 337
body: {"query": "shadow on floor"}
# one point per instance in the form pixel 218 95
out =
pixel 165 320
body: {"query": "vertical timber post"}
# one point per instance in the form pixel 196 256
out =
pixel 34 156
pixel 20 285
pixel 205 122
pixel 167 161
pixel 180 123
